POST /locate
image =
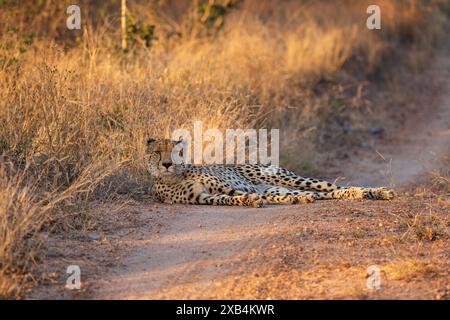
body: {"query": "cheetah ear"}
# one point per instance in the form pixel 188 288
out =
pixel 150 141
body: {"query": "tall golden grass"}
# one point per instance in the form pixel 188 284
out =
pixel 76 111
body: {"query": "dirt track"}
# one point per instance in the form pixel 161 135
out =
pixel 318 250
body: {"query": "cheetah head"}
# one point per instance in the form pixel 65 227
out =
pixel 164 157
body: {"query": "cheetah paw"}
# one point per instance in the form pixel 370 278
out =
pixel 382 194
pixel 291 200
pixel 307 198
pixel 254 200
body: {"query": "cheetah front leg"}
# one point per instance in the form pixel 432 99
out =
pixel 275 195
pixel 194 192
pixel 248 200
pixel 219 194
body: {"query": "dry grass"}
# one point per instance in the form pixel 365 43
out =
pixel 440 181
pixel 427 227
pixel 409 269
pixel 76 110
pixel 28 213
pixel 20 223
pixel 431 222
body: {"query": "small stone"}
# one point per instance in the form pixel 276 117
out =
pixel 364 145
pixel 376 131
pixel 93 236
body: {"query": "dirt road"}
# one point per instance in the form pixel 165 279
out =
pixel 207 252
pixel 319 250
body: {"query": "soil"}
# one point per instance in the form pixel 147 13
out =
pixel 307 251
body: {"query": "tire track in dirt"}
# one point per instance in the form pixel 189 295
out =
pixel 194 245
pixel 412 152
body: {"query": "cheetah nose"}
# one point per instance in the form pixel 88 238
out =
pixel 167 164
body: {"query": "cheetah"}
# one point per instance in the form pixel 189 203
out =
pixel 251 185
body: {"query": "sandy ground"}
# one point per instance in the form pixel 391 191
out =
pixel 307 251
